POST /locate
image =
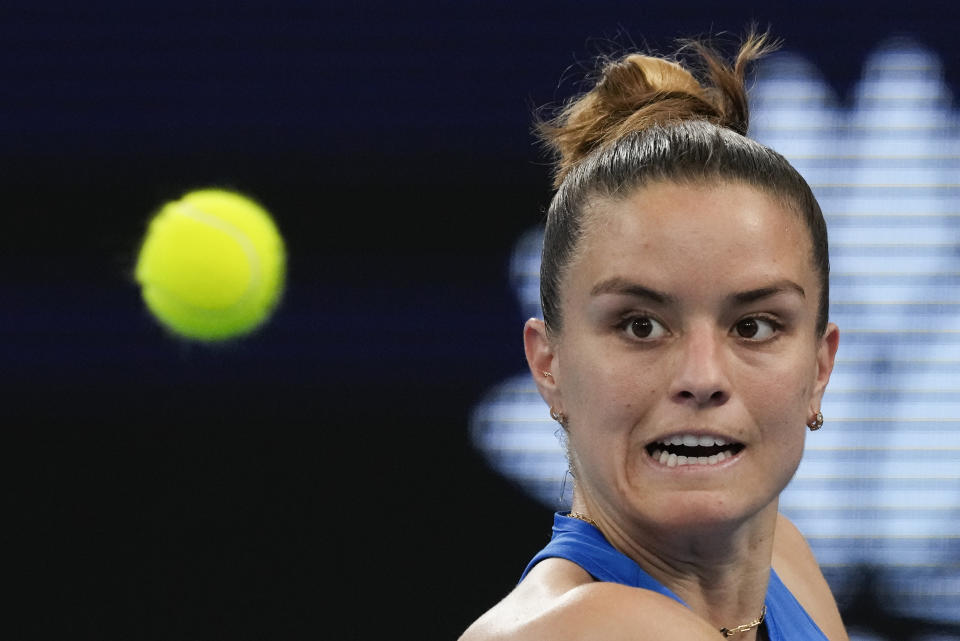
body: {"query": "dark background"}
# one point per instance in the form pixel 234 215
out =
pixel 316 479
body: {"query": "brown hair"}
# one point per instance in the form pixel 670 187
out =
pixel 650 118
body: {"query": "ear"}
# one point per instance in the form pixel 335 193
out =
pixel 542 360
pixel 826 355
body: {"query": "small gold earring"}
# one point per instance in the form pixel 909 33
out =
pixel 547 374
pixel 559 417
pixel 816 422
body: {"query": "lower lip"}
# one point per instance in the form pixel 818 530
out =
pixel 697 468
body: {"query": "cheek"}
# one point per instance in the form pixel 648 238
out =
pixel 787 376
pixel 778 397
pixel 641 397
pixel 609 384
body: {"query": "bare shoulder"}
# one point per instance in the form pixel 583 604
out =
pixel 558 600
pixel 798 569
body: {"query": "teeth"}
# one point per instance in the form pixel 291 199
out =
pixel 692 440
pixel 673 460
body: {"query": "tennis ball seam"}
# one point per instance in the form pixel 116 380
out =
pixel 253 260
pixel 190 261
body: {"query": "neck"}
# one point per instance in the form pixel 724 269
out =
pixel 720 571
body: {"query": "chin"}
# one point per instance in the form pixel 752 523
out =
pixel 704 511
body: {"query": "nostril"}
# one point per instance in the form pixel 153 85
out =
pixel 716 397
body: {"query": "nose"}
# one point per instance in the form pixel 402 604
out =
pixel 700 377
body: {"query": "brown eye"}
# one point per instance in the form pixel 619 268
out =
pixel 747 328
pixel 645 327
pixel 755 328
pixel 641 327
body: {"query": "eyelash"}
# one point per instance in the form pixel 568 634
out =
pixel 624 324
pixel 775 325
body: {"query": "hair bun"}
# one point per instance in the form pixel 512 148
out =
pixel 640 91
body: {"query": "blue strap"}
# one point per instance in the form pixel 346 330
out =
pixel 581 543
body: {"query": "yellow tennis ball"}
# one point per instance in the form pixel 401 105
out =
pixel 212 265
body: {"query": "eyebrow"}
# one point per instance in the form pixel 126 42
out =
pixel 780 287
pixel 617 285
pixel 623 287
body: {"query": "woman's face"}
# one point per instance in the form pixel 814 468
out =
pixel 689 331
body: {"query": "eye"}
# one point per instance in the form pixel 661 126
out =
pixel 756 328
pixel 644 327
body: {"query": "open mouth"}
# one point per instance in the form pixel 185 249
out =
pixel 691 449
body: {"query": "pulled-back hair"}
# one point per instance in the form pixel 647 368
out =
pixel 650 119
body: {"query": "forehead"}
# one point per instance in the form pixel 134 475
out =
pixel 728 232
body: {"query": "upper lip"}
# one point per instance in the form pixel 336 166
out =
pixel 699 434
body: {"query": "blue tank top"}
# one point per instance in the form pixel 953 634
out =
pixel 583 544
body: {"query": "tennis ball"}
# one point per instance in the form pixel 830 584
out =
pixel 212 265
